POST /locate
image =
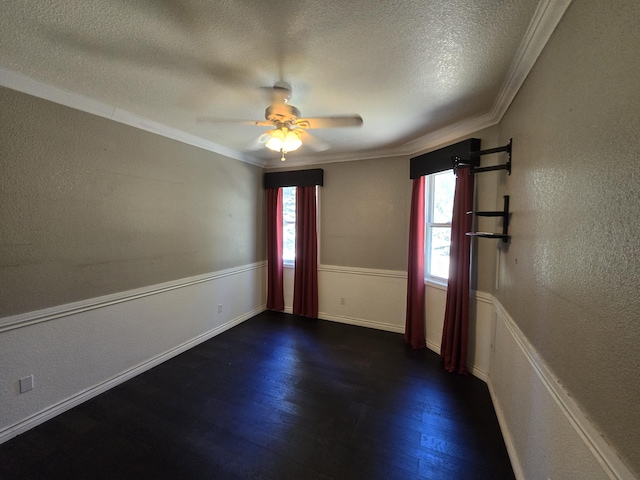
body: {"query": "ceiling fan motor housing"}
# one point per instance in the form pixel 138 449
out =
pixel 282 113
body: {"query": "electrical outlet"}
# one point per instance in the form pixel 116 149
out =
pixel 219 308
pixel 342 301
pixel 26 384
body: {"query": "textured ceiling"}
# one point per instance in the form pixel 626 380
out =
pixel 409 68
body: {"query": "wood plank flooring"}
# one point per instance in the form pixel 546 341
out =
pixel 277 397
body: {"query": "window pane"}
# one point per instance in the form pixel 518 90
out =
pixel 444 185
pixel 289 224
pixel 439 255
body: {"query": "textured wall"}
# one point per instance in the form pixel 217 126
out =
pixel 364 214
pixel 92 207
pixel 570 275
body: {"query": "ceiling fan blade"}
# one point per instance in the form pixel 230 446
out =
pixel 334 121
pixel 259 142
pixel 313 142
pixel 259 123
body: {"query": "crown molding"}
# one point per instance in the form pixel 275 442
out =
pixel 544 22
pixel 306 160
pixel 30 86
pixel 450 133
pixel 545 19
pixel 542 25
pixel 414 147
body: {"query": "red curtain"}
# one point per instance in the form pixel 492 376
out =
pixel 453 349
pixel 414 328
pixel 305 283
pixel 275 290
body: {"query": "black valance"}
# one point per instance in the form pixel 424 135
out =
pixel 441 159
pixel 297 178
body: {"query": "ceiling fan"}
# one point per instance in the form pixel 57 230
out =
pixel 288 126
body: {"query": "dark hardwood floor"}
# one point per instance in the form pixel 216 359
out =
pixel 277 397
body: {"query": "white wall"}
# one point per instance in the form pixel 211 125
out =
pixel 79 350
pixel 377 299
pixel 548 436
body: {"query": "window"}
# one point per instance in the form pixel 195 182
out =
pixel 289 225
pixel 440 188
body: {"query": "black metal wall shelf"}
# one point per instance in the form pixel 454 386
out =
pixel 497 213
pixel 474 160
pixel 473 163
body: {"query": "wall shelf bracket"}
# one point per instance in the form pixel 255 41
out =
pixel 474 160
pixel 505 222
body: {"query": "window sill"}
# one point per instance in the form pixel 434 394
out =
pixel 440 283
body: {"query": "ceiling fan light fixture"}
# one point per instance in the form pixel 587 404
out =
pixel 283 140
pixel 292 141
pixel 275 141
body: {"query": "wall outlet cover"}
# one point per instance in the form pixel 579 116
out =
pixel 26 384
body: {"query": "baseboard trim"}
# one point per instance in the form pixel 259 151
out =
pixel 361 322
pixel 61 407
pixel 48 314
pixel 605 455
pixel 434 347
pixel 508 440
pixel 478 373
pixel 475 371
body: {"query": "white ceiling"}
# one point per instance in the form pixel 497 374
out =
pixel 418 72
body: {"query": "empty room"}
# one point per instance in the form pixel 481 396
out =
pixel 339 240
